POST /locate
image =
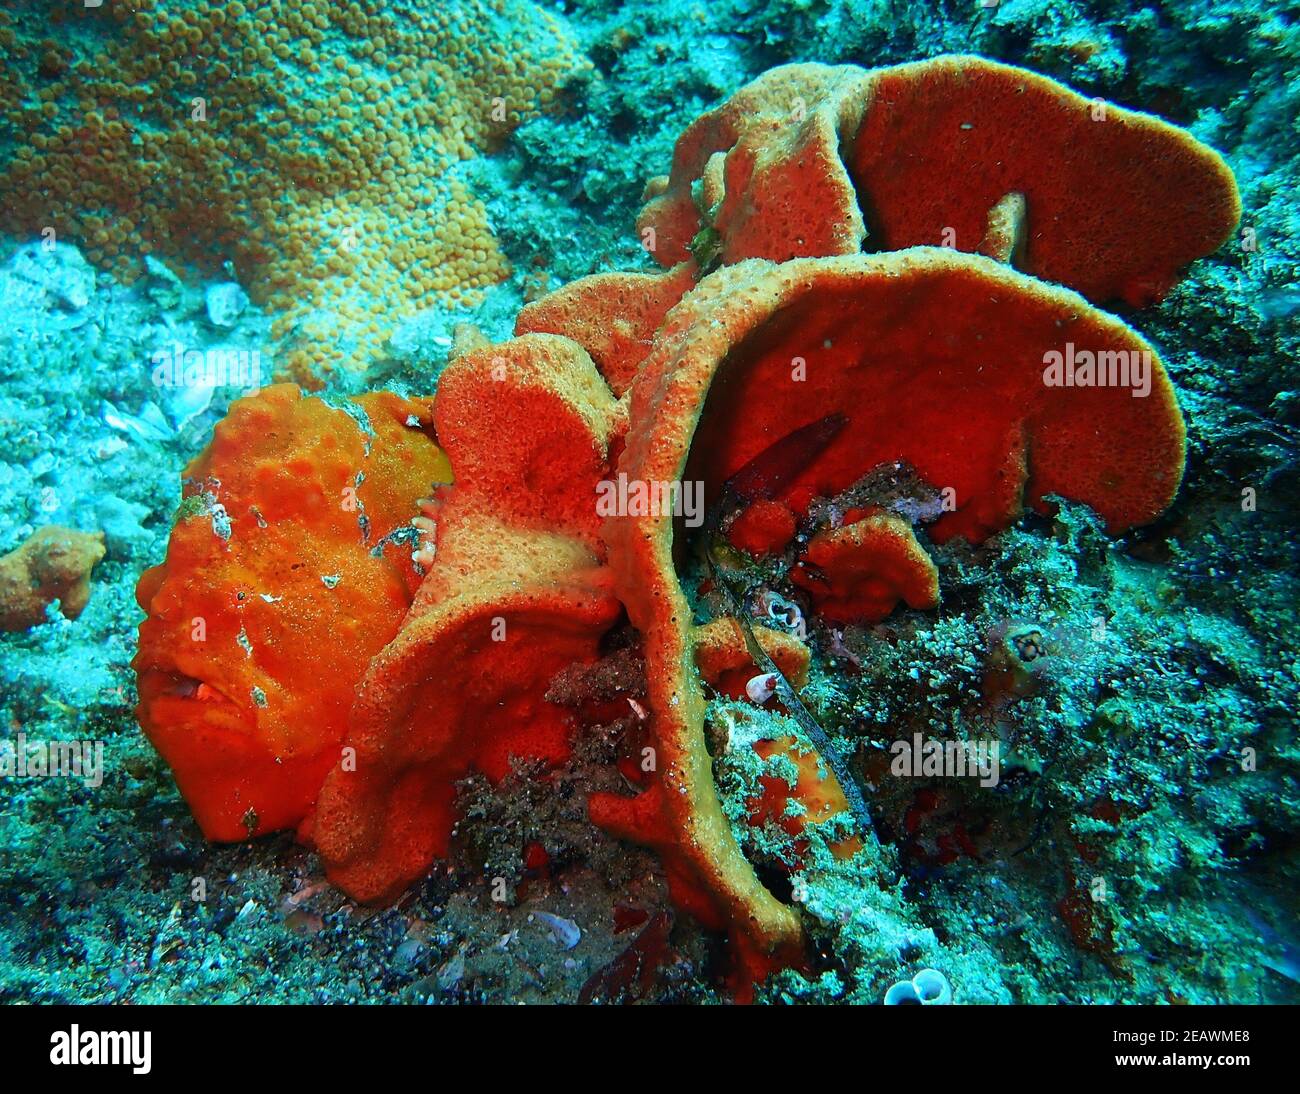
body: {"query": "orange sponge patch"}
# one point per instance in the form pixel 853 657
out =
pixel 935 359
pixel 613 316
pixel 956 151
pixel 459 690
pixel 1116 203
pixel 858 573
pixel 515 593
pixel 816 789
pixel 764 528
pixel 725 662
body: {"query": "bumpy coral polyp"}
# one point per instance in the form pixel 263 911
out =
pixel 311 143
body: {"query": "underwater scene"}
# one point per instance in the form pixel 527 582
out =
pixel 649 502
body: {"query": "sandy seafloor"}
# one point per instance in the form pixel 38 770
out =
pixel 1201 658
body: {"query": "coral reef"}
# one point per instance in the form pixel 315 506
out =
pixel 1138 676
pixel 518 586
pixel 53 565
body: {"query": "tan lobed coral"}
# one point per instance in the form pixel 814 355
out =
pixel 54 563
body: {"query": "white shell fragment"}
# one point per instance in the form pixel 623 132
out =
pixel 761 688
pixel 564 931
